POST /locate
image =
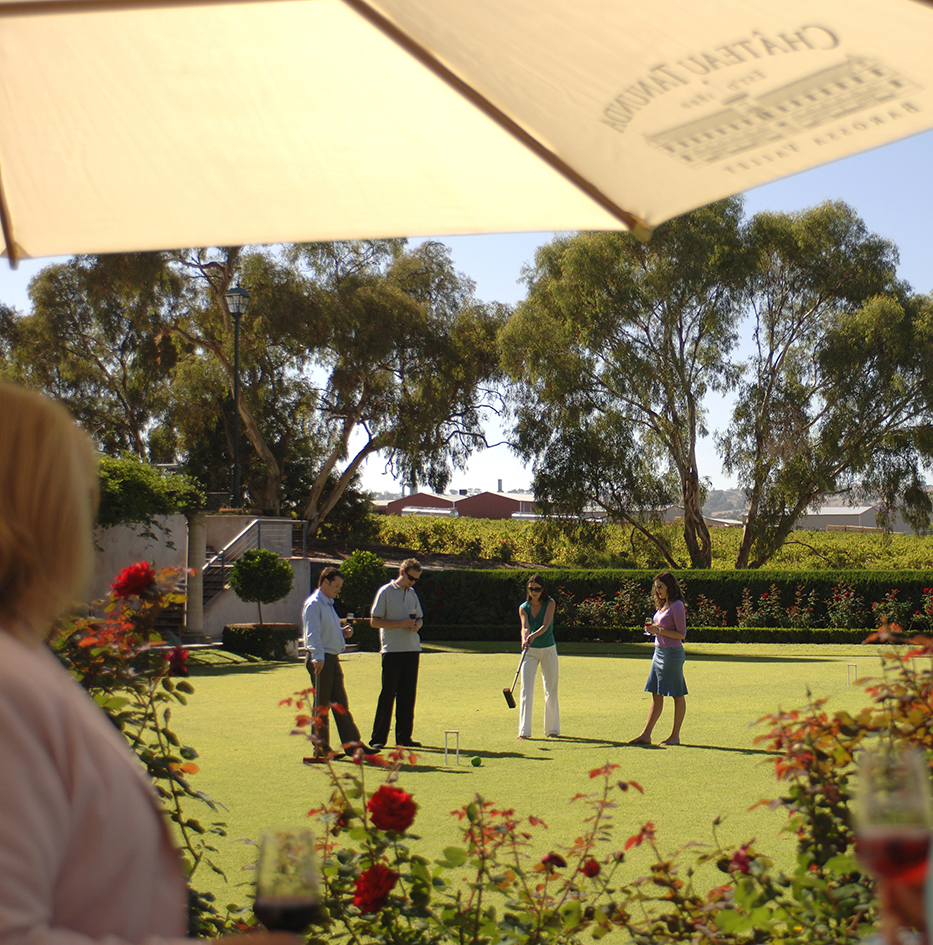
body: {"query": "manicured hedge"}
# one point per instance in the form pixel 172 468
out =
pixel 461 634
pixel 491 598
pixel 364 636
pixel 267 641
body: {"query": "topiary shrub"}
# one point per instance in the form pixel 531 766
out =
pixel 261 576
pixel 363 574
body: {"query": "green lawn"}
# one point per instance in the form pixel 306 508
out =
pixel 252 764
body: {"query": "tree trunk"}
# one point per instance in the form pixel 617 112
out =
pixel 696 533
pixel 269 497
pixel 637 526
pixel 750 529
pixel 745 546
pixel 777 535
pixel 317 510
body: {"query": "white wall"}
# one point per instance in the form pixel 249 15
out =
pixel 122 545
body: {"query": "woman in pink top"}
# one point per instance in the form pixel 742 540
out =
pixel 85 854
pixel 669 628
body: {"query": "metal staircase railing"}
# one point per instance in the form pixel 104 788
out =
pixel 218 566
pixel 217 569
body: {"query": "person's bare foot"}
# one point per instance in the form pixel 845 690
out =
pixel 524 738
pixel 641 740
pixel 671 741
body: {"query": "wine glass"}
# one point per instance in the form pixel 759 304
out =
pixel 287 897
pixel 892 815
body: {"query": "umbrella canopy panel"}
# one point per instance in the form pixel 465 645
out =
pixel 129 126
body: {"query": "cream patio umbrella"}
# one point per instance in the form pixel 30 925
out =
pixel 149 125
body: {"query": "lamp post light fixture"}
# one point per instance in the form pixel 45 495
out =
pixel 237 300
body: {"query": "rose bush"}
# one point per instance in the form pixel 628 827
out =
pixel 117 655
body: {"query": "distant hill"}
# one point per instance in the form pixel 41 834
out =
pixel 725 503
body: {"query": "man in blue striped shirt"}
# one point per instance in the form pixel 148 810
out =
pixel 325 637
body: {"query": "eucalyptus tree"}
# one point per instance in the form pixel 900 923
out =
pixel 347 350
pixel 274 337
pixel 406 366
pixel 835 398
pixel 91 341
pixel 616 345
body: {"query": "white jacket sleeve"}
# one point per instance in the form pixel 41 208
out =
pixel 85 855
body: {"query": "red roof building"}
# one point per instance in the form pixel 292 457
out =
pixel 496 504
pixel 420 500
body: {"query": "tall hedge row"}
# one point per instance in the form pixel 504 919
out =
pixel 474 597
pixel 440 634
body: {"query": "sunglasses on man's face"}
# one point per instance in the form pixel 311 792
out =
pixel 414 579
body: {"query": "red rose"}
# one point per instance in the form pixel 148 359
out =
pixel 591 868
pixel 740 861
pixel 373 887
pixel 178 661
pixel 553 861
pixel 134 581
pixel 391 808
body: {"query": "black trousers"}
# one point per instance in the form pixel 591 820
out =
pixel 332 692
pixel 399 686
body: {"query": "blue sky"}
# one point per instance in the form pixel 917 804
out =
pixel 890 188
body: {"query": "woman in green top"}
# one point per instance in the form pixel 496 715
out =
pixel 537 618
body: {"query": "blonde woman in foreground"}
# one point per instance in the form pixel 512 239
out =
pixel 85 853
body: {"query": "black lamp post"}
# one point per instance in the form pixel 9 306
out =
pixel 237 300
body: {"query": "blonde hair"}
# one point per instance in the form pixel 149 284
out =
pixel 48 499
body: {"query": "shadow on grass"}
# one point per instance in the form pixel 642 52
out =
pixel 741 658
pixel 644 650
pixel 616 650
pixel 608 743
pixel 467 754
pixel 736 751
pixel 451 767
pixel 224 669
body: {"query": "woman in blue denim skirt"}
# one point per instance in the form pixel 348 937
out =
pixel 669 628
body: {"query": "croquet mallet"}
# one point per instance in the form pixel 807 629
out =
pixel 509 698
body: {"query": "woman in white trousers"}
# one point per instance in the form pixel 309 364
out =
pixel 537 620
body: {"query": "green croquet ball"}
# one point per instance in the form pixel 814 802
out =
pixel 476 761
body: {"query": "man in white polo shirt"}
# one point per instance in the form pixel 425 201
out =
pixel 397 614
pixel 325 638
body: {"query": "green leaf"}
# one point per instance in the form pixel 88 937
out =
pixel 843 863
pixel 456 856
pixel 729 920
pixel 570 914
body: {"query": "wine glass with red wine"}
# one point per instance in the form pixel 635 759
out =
pixel 287 895
pixel 892 815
